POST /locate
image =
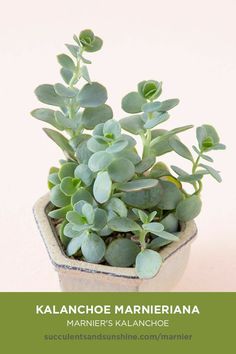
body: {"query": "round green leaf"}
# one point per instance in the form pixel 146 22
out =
pixel 145 164
pixel 102 187
pixel 81 194
pixel 99 160
pixel 58 198
pixel 69 185
pixel 66 123
pixel 211 132
pixel 94 146
pixel 117 146
pixel 121 253
pixel 46 115
pixel 70 232
pixel 158 242
pixel 53 180
pixel 170 223
pixel 150 89
pixel 46 94
pixel 121 170
pixel 89 41
pixel 132 102
pixel 88 212
pixel 123 224
pixel 100 219
pixel 111 129
pixel 188 208
pixel 75 243
pixel 78 206
pixel 159 170
pixel 143 199
pixel 153 227
pixel 63 91
pixel 84 173
pixel 130 154
pixel 86 37
pixel 151 107
pixel 66 75
pixel 93 116
pixel 83 154
pixel 170 195
pixel 74 218
pixel 66 62
pixel 60 213
pixel 138 184
pixel 67 170
pixel 96 45
pixel 133 124
pixel 118 206
pixel 148 263
pixel 64 239
pixel 93 248
pixel 92 95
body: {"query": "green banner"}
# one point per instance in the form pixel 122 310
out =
pixel 105 322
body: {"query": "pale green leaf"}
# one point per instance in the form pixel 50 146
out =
pixel 138 184
pixel 132 102
pixel 60 140
pixel 181 149
pixel 121 253
pixel 66 62
pixel 92 95
pixel 121 170
pixel 123 224
pixel 93 248
pixel 58 198
pixel 93 116
pixel 188 208
pixel 99 160
pixel 148 263
pixel 102 187
pixel 46 94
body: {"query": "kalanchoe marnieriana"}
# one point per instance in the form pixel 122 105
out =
pixel 112 205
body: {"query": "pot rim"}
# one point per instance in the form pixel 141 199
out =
pixel 64 263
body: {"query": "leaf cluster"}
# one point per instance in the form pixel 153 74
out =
pixel 112 205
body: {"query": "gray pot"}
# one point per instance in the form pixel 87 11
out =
pixel 79 276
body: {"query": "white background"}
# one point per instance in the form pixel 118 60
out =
pixel 189 45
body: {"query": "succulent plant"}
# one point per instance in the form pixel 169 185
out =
pixel 112 205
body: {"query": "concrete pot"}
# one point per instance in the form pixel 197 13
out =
pixel 79 276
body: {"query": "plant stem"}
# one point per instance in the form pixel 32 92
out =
pixel 146 139
pixel 76 73
pixel 198 188
pixel 142 236
pixel 195 164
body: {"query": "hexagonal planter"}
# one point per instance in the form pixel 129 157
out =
pixel 79 276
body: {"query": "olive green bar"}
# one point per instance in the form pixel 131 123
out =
pixel 105 322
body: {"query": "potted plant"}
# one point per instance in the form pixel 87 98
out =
pixel 117 220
